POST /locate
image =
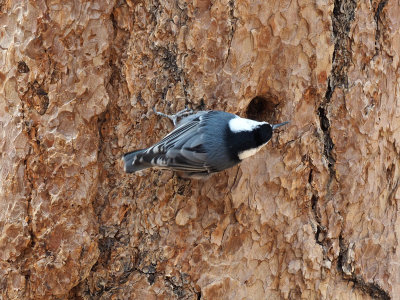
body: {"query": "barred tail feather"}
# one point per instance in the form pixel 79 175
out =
pixel 133 162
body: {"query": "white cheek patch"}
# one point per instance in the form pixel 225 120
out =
pixel 240 124
pixel 250 152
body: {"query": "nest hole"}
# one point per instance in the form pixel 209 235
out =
pixel 263 108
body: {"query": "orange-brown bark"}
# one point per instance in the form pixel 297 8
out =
pixel 314 215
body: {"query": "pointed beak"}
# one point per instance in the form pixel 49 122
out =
pixel 279 125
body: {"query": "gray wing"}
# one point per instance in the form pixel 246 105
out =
pixel 183 148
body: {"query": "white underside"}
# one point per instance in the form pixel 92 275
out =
pixel 250 152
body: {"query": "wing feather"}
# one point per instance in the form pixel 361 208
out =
pixel 182 149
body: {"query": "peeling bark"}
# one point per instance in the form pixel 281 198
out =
pixel 313 215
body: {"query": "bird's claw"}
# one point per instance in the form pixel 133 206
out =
pixel 175 117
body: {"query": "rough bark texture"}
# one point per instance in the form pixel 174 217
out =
pixel 312 216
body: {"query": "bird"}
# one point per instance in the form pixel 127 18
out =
pixel 203 143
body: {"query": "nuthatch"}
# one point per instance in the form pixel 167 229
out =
pixel 203 143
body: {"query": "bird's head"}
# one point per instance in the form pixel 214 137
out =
pixel 250 136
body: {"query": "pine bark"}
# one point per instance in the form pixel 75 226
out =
pixel 314 215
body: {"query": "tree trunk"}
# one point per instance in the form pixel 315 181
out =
pixel 314 215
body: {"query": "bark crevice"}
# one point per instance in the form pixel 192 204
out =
pixel 233 21
pixel 34 143
pixel 377 15
pixel 343 16
pixel 319 229
pixel 347 271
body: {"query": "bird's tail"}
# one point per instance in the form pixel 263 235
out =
pixel 133 161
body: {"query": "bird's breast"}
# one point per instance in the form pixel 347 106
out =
pixel 249 152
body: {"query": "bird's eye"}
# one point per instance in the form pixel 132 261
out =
pixel 264 134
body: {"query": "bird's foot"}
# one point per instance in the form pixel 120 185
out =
pixel 174 118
